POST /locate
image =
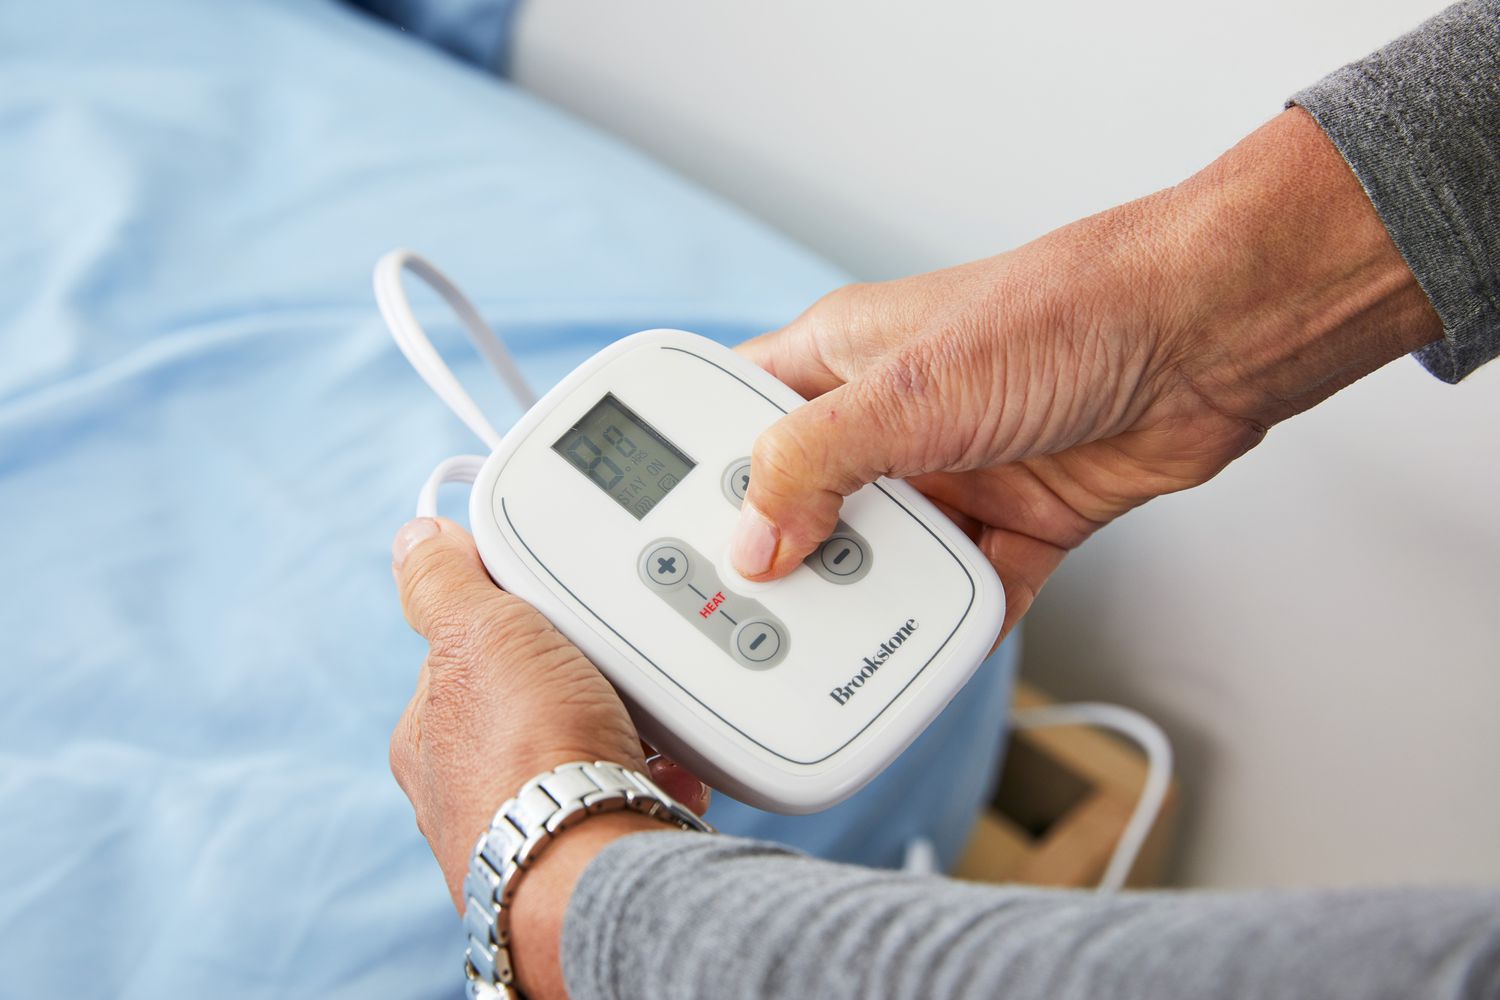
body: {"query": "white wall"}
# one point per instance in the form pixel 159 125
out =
pixel 1320 627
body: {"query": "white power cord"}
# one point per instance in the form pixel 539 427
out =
pixel 1152 741
pixel 390 296
pixel 458 469
pixel 396 310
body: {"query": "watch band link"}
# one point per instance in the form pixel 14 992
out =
pixel 521 831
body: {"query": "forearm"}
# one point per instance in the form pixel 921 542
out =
pixel 684 915
pixel 1317 250
pixel 1285 283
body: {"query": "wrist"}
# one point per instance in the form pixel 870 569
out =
pixel 523 868
pixel 1283 281
pixel 541 903
pixel 472 808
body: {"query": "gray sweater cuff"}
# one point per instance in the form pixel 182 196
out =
pixel 1419 123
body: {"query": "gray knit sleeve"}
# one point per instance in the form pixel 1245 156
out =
pixel 1419 122
pixel 678 915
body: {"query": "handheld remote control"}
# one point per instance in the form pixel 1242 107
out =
pixel 609 507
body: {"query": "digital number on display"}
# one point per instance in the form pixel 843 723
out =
pixel 624 456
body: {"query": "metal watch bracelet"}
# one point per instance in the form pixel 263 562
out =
pixel 521 832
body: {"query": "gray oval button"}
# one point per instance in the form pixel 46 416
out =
pixel 757 641
pixel 842 555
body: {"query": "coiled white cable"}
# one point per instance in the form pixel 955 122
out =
pixel 458 469
pixel 390 296
pixel 1152 741
pixel 396 310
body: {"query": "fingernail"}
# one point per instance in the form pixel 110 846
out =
pixel 702 797
pixel 754 542
pixel 412 534
pixel 680 783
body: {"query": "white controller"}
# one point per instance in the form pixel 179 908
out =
pixel 609 507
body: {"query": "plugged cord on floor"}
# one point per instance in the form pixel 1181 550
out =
pixel 1152 741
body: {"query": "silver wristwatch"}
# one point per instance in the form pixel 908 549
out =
pixel 521 831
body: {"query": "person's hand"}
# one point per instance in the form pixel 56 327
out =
pixel 502 697
pixel 1038 395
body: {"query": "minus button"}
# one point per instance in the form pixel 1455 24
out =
pixel 757 642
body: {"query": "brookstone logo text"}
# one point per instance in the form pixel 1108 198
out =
pixel 874 662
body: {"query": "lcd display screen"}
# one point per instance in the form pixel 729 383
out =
pixel 624 456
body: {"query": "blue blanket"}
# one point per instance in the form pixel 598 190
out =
pixel 206 441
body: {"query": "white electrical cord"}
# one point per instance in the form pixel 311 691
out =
pixel 458 469
pixel 396 310
pixel 1152 741
pixel 417 346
